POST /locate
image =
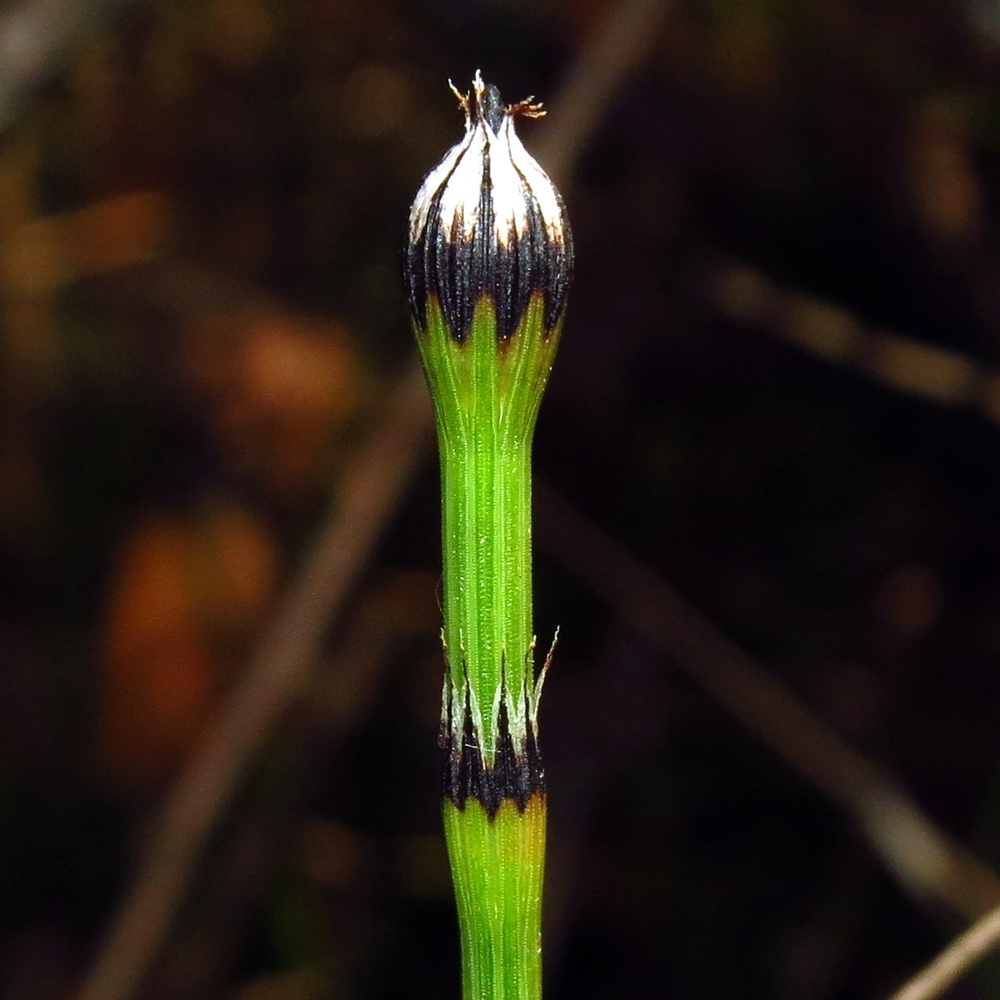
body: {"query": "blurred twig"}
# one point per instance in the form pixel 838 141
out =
pixel 954 961
pixel 280 669
pixel 746 295
pixel 926 860
pixel 596 74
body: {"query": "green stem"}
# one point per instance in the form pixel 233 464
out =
pixel 487 394
pixel 497 866
pixel 486 402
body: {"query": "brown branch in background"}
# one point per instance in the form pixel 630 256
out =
pixel 963 953
pixel 928 862
pixel 369 494
pixel 746 295
pixel 618 47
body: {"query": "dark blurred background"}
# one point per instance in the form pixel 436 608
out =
pixel 778 389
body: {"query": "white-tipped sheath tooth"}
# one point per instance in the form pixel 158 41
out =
pixel 446 698
pixel 536 689
pixel 499 695
pixel 469 691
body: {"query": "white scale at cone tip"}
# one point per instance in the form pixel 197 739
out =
pixel 515 177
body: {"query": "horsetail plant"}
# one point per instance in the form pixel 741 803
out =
pixel 487 267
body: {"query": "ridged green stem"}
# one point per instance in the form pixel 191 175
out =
pixel 486 397
pixel 497 866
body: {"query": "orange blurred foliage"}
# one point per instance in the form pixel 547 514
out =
pixel 186 597
pixel 48 252
pixel 276 387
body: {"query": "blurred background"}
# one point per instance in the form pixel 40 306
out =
pixel 778 392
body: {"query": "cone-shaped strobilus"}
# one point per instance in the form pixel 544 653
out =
pixel 487 267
